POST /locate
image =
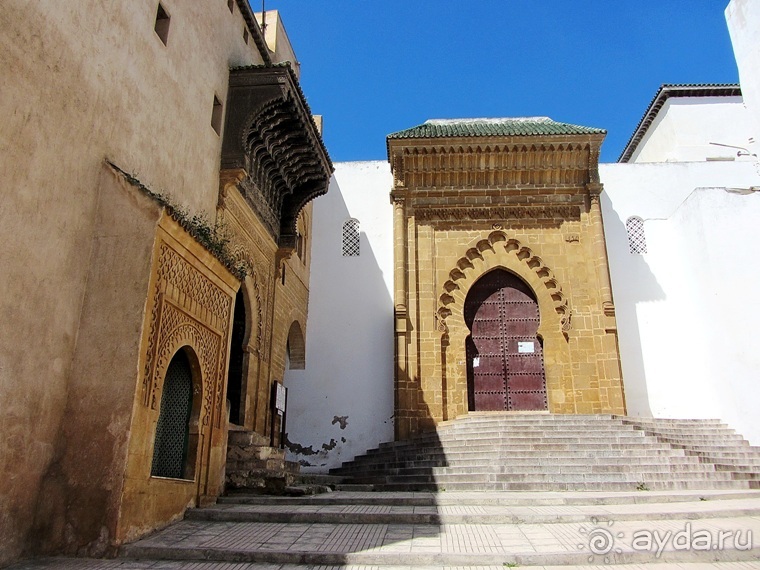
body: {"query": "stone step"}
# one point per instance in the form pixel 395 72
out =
pixel 539 477
pixel 656 463
pixel 470 514
pixel 507 446
pixel 496 439
pixel 732 440
pixel 504 454
pixel 241 437
pixel 509 499
pixel 629 486
pixel 670 421
pixel 736 467
pixel 727 455
pixel 676 431
pixel 563 469
pixel 530 465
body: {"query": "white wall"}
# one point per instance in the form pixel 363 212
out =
pixel 743 17
pixel 686 309
pixel 348 380
pixel 685 127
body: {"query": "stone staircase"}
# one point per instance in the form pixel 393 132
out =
pixel 711 441
pixel 253 465
pixel 527 452
pixel 481 530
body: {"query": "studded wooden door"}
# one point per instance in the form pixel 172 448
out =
pixel 504 356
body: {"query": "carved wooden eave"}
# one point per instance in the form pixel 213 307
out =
pixel 270 134
pixel 568 162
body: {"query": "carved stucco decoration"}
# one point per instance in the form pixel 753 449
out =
pixel 248 246
pixel 188 308
pixel 488 247
pixel 251 284
pixel 454 214
pixel 427 164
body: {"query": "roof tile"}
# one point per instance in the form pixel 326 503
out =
pixel 522 126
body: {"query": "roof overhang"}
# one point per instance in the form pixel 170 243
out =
pixel 665 92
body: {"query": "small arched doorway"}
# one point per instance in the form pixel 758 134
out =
pixel 237 357
pixel 505 364
pixel 174 448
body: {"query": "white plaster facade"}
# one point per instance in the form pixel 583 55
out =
pixel 341 404
pixel 689 129
pixel 685 308
pixel 743 17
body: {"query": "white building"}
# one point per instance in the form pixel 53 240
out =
pixel 680 211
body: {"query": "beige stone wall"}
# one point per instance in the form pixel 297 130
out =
pixel 83 82
pixel 80 491
pixel 272 306
pixel 542 227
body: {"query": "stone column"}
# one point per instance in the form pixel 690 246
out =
pixel 402 393
pixel 600 249
pixel 612 392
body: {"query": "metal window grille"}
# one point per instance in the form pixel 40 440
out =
pixel 351 238
pixel 172 429
pixel 637 240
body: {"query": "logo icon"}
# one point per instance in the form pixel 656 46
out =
pixel 600 541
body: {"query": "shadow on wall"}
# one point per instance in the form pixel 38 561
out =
pixel 341 403
pixel 412 464
pixel 632 283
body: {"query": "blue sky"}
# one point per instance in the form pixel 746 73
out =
pixel 372 67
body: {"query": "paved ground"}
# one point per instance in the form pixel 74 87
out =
pixel 69 564
pixel 687 530
pixel 482 544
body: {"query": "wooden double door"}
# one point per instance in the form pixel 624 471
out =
pixel 505 364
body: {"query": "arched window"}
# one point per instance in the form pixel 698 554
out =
pixel 637 240
pixel 296 348
pixel 351 238
pixel 170 453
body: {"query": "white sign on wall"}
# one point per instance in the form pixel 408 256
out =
pixel 279 402
pixel 526 347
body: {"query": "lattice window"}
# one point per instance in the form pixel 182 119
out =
pixel 351 238
pixel 172 430
pixel 637 240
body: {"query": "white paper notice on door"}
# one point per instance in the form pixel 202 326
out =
pixel 526 347
pixel 476 362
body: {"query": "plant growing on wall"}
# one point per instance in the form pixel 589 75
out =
pixel 213 236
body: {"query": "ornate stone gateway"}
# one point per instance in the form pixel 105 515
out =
pixel 501 287
pixel 505 367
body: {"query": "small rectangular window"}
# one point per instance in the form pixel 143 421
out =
pixel 245 35
pixel 216 116
pixel 162 24
pixel 230 5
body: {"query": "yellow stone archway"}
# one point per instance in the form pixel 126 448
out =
pixel 498 250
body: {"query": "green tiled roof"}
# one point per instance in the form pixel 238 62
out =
pixel 522 126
